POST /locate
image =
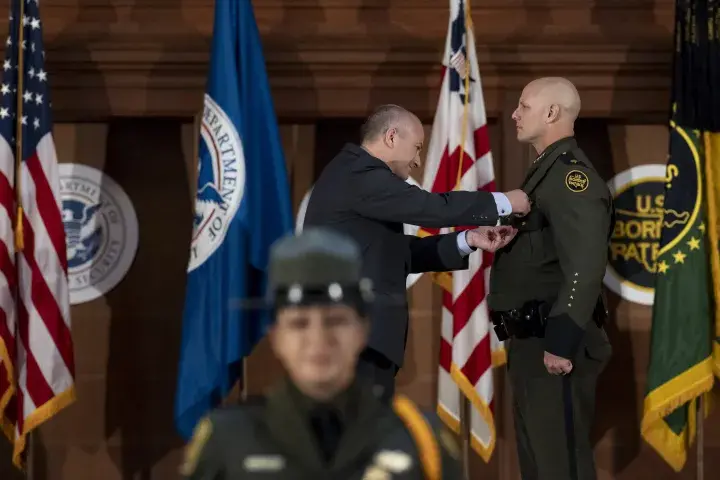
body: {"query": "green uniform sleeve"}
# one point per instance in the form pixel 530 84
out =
pixel 577 205
pixel 202 459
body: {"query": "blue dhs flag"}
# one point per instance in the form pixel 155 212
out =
pixel 242 207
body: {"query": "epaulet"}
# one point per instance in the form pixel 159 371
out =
pixel 422 434
pixel 569 158
pixel 201 434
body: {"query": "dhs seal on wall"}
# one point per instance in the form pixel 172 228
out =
pixel 220 185
pixel 635 243
pixel 101 231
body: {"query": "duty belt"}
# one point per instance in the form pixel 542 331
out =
pixel 530 319
pixel 526 321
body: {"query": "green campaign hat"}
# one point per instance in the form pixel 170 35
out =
pixel 317 266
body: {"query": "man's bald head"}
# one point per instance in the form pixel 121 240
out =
pixel 395 136
pixel 559 91
pixel 547 111
pixel 383 119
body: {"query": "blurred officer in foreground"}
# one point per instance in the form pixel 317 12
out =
pixel 320 422
pixel 545 290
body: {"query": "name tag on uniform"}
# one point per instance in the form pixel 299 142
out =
pixel 264 463
pixel 394 461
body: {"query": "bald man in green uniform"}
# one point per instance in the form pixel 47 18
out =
pixel 545 290
pixel 321 422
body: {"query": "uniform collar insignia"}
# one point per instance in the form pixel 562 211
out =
pixel 569 141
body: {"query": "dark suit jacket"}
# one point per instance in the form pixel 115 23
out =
pixel 357 194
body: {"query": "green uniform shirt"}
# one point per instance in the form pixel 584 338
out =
pixel 277 441
pixel 560 252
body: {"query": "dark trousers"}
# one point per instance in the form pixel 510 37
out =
pixel 376 369
pixel 553 413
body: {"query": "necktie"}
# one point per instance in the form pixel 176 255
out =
pixel 327 426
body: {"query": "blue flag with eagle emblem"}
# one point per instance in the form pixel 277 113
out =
pixel 242 206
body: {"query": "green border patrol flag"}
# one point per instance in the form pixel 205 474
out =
pixel 685 329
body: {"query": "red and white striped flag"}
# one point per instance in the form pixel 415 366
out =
pixel 36 350
pixel 459 158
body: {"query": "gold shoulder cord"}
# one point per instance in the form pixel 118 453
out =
pixel 193 450
pixel 422 434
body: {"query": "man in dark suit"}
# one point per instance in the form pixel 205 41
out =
pixel 363 193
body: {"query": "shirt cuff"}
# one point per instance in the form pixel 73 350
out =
pixel 463 246
pixel 504 208
pixel 563 336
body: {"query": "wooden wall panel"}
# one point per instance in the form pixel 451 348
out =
pixel 341 57
pixel 329 62
pixel 263 369
pixel 115 431
pixel 127 342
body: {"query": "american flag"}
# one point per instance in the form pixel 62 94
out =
pixel 36 349
pixel 459 157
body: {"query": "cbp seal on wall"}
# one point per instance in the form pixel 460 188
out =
pixel 220 184
pixel 639 195
pixel 101 231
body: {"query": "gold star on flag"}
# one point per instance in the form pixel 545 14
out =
pixel 662 267
pixel 679 257
pixel 693 243
pixel 701 227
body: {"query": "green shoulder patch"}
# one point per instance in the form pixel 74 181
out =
pixel 577 181
pixel 194 448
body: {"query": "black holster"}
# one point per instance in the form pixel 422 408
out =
pixel 530 319
pixel 524 322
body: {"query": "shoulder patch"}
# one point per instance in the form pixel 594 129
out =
pixel 194 448
pixel 569 159
pixel 577 181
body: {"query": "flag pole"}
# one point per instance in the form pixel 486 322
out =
pixel 19 236
pixel 19 243
pixel 464 403
pixel 700 456
pixel 30 467
pixel 465 433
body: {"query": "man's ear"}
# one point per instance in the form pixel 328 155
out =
pixel 553 113
pixel 391 137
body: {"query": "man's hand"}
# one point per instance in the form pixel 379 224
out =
pixel 557 365
pixel 519 201
pixel 490 239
